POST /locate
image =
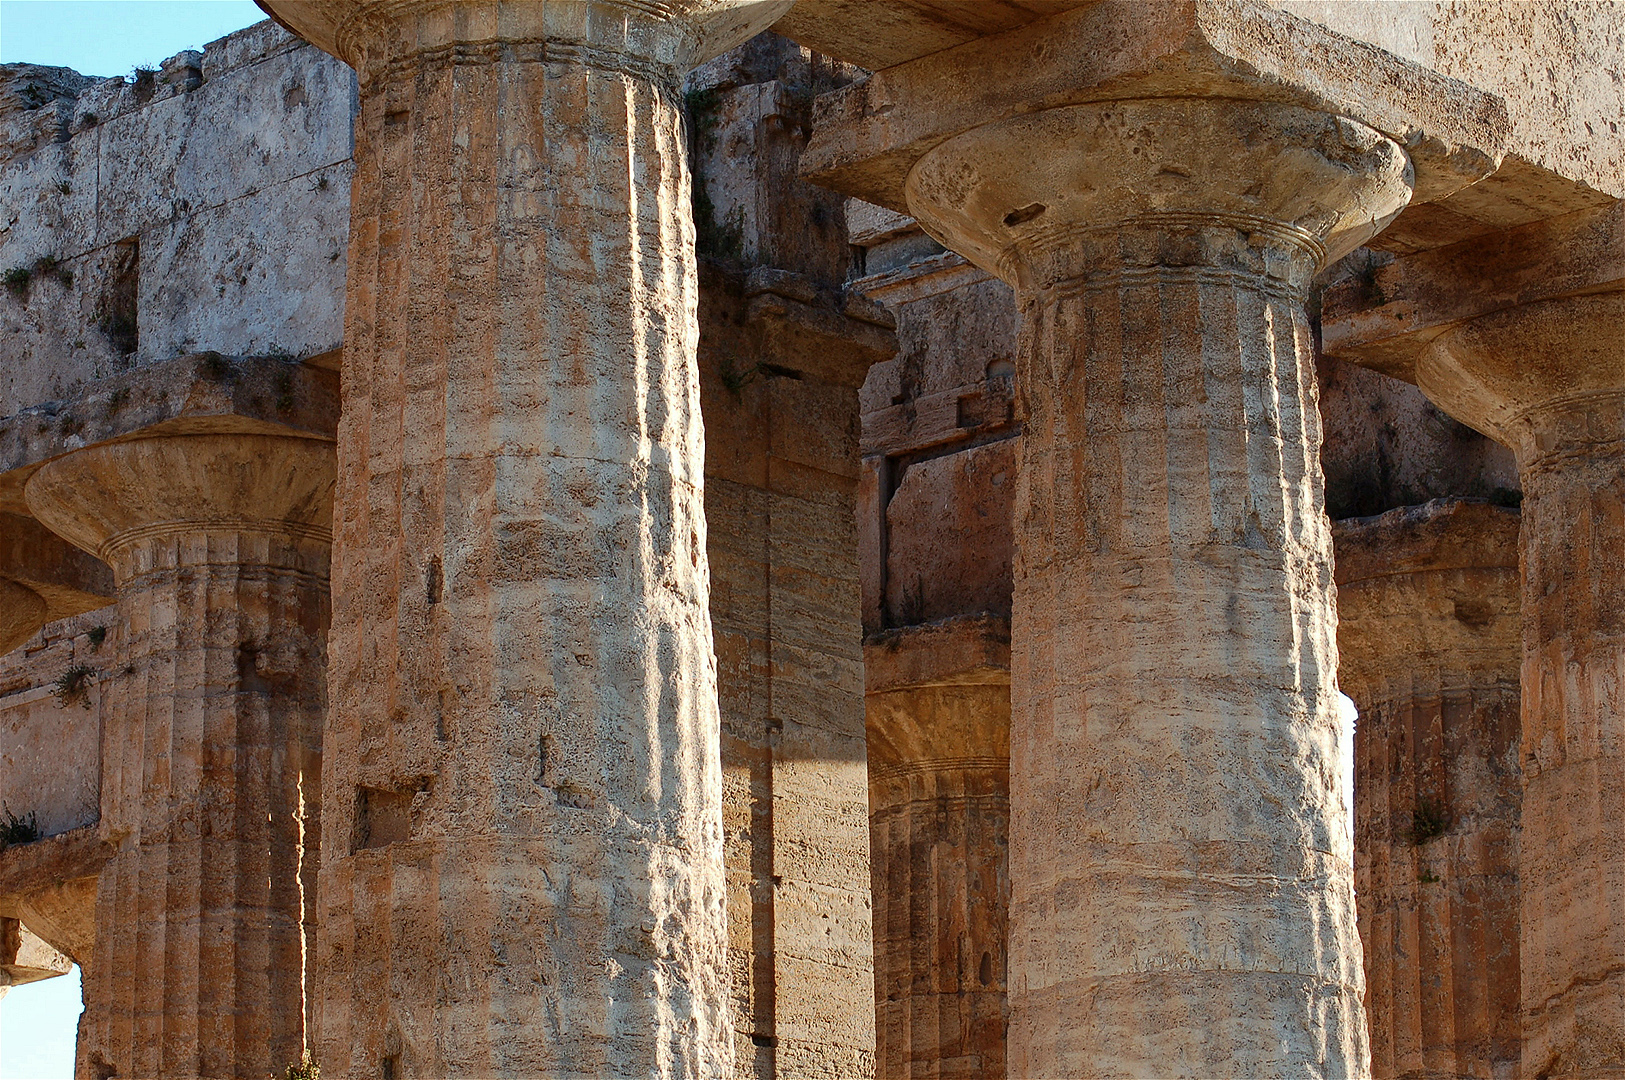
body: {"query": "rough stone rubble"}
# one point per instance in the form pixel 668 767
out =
pixel 605 539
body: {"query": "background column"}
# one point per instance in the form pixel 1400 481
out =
pixel 211 743
pixel 1180 869
pixel 1548 379
pixel 1427 604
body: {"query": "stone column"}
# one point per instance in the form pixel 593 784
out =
pixel 938 708
pixel 522 757
pixel 1427 637
pixel 1180 870
pixel 1548 379
pixel 211 743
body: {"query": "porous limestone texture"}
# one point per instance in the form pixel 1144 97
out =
pixel 1181 872
pixel 939 792
pixel 522 762
pixel 50 725
pixel 50 773
pixel 779 369
pixel 200 205
pixel 1428 645
pixel 1560 66
pixel 1548 379
pixel 938 437
pixel 210 745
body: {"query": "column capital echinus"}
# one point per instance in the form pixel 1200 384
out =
pixel 1541 378
pixel 655 40
pixel 1118 186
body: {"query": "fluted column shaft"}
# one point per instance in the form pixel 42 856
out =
pixel 939 805
pixel 1181 881
pixel 1548 379
pixel 1573 475
pixel 211 745
pixel 1429 641
pixel 522 753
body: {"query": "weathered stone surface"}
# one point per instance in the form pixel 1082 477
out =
pixel 25 957
pixel 1128 834
pixel 50 886
pixel 1384 312
pixel 1548 379
pixel 781 416
pixel 43 578
pixel 1557 65
pixel 203 207
pixel 869 138
pixel 938 704
pixel 1428 643
pixel 881 35
pixel 1386 446
pixel 534 878
pixel 211 743
pixel 50 725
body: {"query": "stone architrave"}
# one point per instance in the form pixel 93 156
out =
pixel 938 706
pixel 1548 379
pixel 521 764
pixel 211 748
pixel 1428 644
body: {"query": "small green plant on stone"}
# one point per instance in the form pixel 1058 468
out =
pixel 96 635
pixel 307 1069
pixel 72 687
pixel 16 280
pixel 50 266
pixel 17 830
pixel 1428 821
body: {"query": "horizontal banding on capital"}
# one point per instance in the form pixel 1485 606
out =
pixel 1509 373
pixel 108 496
pixel 1310 185
pixel 665 36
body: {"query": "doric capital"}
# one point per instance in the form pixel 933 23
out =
pixel 1537 377
pixel 656 38
pixel 1255 186
pixel 107 498
pixel 868 137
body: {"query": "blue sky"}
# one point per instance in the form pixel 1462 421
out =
pixel 110 37
pixel 96 37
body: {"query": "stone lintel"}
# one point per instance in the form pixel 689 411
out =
pixel 882 35
pixel 1384 316
pixel 1442 534
pixel 195 394
pixel 867 137
pixel 958 651
pixel 830 335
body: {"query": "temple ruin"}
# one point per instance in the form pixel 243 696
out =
pixel 822 538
